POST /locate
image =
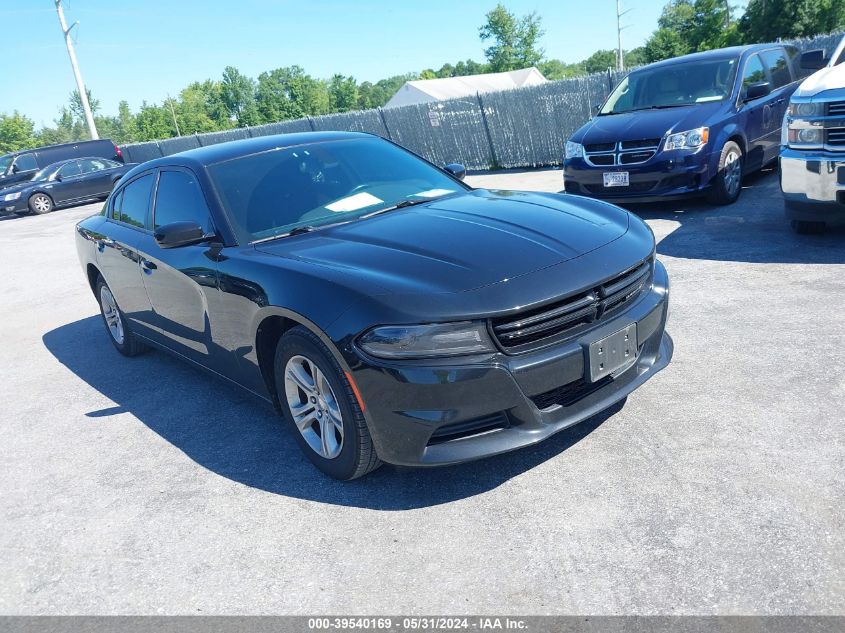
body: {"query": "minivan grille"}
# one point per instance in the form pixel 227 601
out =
pixel 554 321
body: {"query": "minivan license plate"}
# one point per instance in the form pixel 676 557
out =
pixel 612 353
pixel 616 179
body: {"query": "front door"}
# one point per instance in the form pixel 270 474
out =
pixel 757 113
pixel 69 184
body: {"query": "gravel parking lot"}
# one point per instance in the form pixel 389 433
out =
pixel 143 486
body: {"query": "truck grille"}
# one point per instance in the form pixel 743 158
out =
pixel 555 321
pixel 836 137
pixel 836 108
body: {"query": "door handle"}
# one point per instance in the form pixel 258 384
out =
pixel 148 265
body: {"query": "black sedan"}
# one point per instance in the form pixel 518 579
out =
pixel 386 309
pixel 64 184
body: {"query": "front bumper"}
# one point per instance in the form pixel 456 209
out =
pixel 813 185
pixel 450 412
pixel 665 176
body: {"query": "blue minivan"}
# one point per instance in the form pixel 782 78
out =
pixel 692 125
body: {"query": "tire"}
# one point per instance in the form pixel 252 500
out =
pixel 40 203
pixel 808 228
pixel 727 184
pixel 337 442
pixel 117 328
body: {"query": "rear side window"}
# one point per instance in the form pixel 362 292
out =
pixel 131 204
pixel 779 69
pixel 754 73
pixel 179 199
pixel 25 162
pixel 70 169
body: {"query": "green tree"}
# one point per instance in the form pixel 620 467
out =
pixel 290 93
pixel 600 61
pixel 514 40
pixel 687 26
pixel 343 93
pixel 768 20
pixel 16 132
pixel 238 94
pixel 201 108
pixel 154 122
pixel 76 108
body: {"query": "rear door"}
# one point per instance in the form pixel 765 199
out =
pixel 756 113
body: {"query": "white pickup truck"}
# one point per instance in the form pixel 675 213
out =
pixel 812 158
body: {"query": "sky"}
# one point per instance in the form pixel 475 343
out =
pixel 146 49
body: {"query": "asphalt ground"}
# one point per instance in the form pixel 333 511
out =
pixel 142 486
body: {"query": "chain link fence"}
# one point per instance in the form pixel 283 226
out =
pixel 524 127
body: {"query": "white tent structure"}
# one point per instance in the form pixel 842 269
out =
pixel 428 90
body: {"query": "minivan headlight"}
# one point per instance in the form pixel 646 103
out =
pixel 431 340
pixel 691 139
pixel 573 150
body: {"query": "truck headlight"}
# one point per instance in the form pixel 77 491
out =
pixel 573 150
pixel 12 196
pixel 691 139
pixel 805 136
pixel 805 109
pixel 432 340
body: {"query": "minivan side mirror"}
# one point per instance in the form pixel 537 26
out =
pixel 180 234
pixel 457 170
pixel 760 89
pixel 813 60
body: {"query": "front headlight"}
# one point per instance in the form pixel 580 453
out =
pixel 11 196
pixel 805 136
pixel 421 341
pixel 805 110
pixel 691 139
pixel 573 150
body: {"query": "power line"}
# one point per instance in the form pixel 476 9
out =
pixel 80 85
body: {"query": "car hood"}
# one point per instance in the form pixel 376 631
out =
pixel 824 79
pixel 18 186
pixel 646 124
pixel 461 242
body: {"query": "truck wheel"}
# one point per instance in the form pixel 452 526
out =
pixel 40 203
pixel 727 185
pixel 807 228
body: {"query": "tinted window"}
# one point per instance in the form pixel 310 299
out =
pixel 131 207
pixel 95 164
pixel 25 162
pixel 70 169
pixel 116 201
pixel 754 73
pixel 779 69
pixel 794 56
pixel 179 199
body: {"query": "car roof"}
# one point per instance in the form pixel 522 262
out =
pixel 219 152
pixel 57 146
pixel 719 53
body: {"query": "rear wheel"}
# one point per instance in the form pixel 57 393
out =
pixel 118 329
pixel 321 408
pixel 40 203
pixel 727 185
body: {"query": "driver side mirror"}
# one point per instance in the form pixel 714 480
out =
pixel 760 89
pixel 457 170
pixel 180 234
pixel 57 177
pixel 813 60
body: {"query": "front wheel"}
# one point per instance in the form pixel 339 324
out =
pixel 321 408
pixel 40 203
pixel 727 184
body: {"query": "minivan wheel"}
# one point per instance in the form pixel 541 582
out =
pixel 321 408
pixel 40 203
pixel 117 328
pixel 727 185
pixel 807 228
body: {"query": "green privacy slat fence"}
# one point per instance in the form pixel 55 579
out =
pixel 525 127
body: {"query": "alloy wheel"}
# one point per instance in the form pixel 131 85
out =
pixel 733 173
pixel 41 203
pixel 111 314
pixel 313 406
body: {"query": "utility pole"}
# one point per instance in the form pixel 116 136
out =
pixel 80 86
pixel 620 54
pixel 173 112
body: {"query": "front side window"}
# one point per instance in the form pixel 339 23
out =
pixel 674 85
pixel 69 170
pixel 754 73
pixel 179 199
pixel 274 192
pixel 778 68
pixel 132 203
pixel 25 162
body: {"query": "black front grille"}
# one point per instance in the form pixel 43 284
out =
pixel 567 395
pixel 836 108
pixel 602 160
pixel 554 321
pixel 468 428
pixel 600 147
pixel 634 187
pixel 649 142
pixel 836 137
pixel 631 158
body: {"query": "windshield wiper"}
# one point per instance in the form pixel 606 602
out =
pixel 299 230
pixel 651 107
pixel 406 202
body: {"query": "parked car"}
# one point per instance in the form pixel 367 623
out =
pixel 64 184
pixel 812 157
pixel 693 125
pixel 389 311
pixel 20 166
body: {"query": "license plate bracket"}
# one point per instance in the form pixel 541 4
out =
pixel 613 353
pixel 616 179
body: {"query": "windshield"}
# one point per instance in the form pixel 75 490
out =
pixel 272 193
pixel 681 84
pixel 4 164
pixel 43 174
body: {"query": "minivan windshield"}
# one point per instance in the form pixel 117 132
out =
pixel 276 192
pixel 686 83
